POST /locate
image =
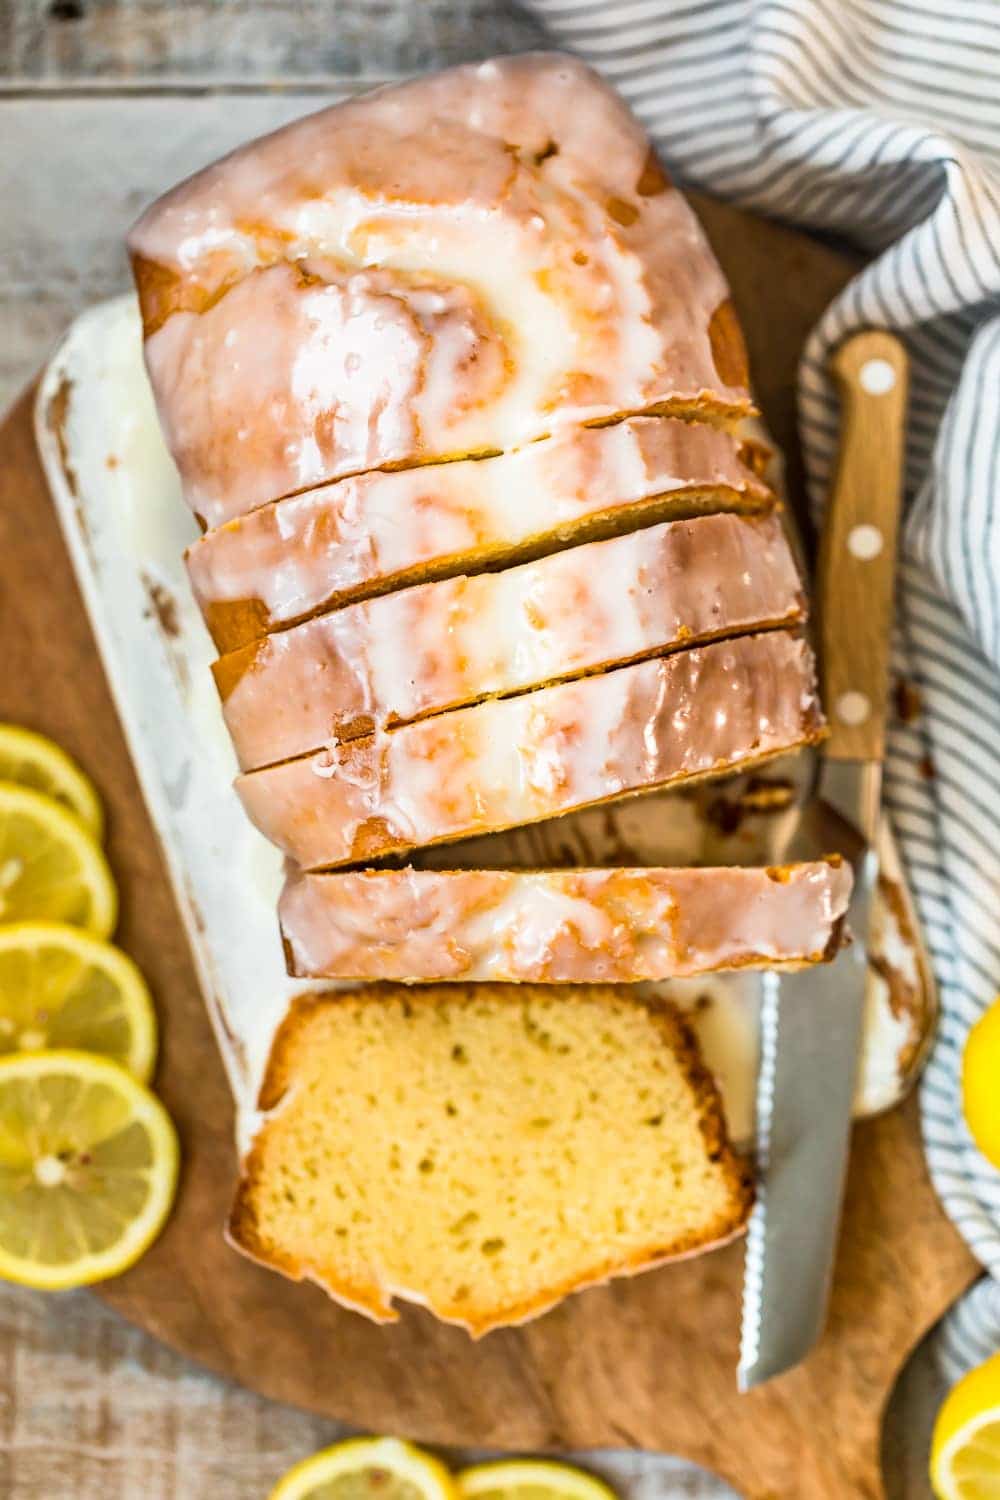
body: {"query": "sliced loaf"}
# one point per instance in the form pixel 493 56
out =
pixel 518 760
pixel 484 1149
pixel 377 531
pixel 403 656
pixel 562 926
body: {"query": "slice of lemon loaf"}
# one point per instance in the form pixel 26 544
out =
pixel 511 761
pixel 454 266
pixel 562 926
pixel 484 1149
pixel 377 531
pixel 403 656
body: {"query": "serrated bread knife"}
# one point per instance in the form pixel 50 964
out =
pixel 811 1021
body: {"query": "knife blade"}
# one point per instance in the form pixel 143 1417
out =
pixel 811 1021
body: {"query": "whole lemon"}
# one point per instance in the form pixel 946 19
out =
pixel 981 1083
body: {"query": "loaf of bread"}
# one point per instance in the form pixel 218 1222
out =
pixel 518 760
pixel 562 926
pixel 378 531
pixel 455 266
pixel 402 656
pixel 456 391
pixel 484 1149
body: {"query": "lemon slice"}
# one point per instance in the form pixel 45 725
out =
pixel 60 987
pixel 32 760
pixel 965 1451
pixel 530 1479
pixel 50 866
pixel 981 1083
pixel 368 1469
pixel 88 1167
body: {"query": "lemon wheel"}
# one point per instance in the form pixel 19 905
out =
pixel 32 760
pixel 530 1479
pixel 965 1450
pixel 51 868
pixel 61 987
pixel 368 1469
pixel 88 1169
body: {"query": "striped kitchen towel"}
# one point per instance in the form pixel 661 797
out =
pixel 880 120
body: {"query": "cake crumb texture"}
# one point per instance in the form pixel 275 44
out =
pixel 484 1149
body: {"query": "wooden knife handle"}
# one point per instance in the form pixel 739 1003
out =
pixel 857 558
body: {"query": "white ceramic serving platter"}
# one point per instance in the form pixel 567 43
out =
pixel 119 503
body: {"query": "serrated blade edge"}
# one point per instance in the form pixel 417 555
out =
pixel 753 1273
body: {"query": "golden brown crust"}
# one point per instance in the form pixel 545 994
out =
pixel 242 1233
pixel 159 290
pixel 281 1059
pixel 163 292
pixel 231 622
pixel 230 669
pixel 653 180
pixel 729 352
pixel 293 1036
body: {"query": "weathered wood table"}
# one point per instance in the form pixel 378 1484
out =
pixel 102 104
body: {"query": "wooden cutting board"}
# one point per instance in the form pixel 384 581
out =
pixel 643 1363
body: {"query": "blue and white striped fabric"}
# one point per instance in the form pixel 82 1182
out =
pixel 970 1333
pixel 880 119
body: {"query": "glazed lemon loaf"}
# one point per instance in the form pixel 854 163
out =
pixel 484 1150
pixel 451 267
pixel 377 531
pixel 562 926
pixel 440 645
pixel 511 761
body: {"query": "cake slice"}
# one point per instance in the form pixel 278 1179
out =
pixel 455 266
pixel 511 761
pixel 484 1149
pixel 615 926
pixel 403 656
pixel 378 531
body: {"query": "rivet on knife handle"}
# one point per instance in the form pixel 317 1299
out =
pixel 857 560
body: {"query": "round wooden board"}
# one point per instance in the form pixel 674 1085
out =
pixel 642 1363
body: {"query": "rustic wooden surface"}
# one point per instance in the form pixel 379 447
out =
pixel 118 43
pixel 647 1363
